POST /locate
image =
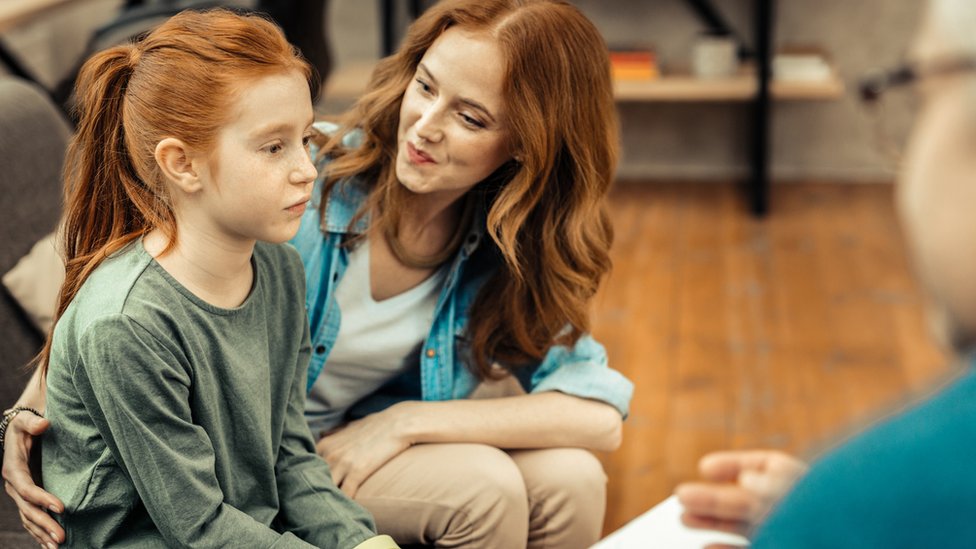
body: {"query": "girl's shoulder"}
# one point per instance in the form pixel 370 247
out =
pixel 280 268
pixel 278 258
pixel 110 285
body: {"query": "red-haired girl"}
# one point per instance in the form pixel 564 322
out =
pixel 176 370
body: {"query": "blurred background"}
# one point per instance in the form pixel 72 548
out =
pixel 760 295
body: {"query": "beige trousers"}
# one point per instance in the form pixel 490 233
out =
pixel 477 496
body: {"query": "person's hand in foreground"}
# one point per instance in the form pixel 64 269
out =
pixel 31 500
pixel 738 488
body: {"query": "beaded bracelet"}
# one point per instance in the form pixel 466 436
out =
pixel 8 416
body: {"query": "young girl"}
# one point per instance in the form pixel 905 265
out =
pixel 178 363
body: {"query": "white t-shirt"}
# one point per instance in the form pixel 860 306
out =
pixel 377 340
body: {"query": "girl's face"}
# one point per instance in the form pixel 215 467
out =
pixel 259 177
pixel 453 130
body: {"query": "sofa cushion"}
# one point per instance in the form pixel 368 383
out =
pixel 35 282
pixel 33 137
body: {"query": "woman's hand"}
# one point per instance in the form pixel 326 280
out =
pixel 739 488
pixel 31 500
pixel 360 448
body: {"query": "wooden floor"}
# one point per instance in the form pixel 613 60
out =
pixel 740 333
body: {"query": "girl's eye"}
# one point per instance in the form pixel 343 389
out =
pixel 274 149
pixel 306 141
pixel 424 86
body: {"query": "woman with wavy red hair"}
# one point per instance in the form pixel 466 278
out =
pixel 457 236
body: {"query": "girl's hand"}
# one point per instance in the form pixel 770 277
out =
pixel 739 488
pixel 357 450
pixel 32 502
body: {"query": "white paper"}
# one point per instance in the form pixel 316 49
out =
pixel 661 527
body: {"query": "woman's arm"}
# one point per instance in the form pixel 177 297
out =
pixel 32 502
pixel 539 420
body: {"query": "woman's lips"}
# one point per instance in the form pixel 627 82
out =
pixel 417 156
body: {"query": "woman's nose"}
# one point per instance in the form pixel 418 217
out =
pixel 428 126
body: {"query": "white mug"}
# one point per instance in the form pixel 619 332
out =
pixel 714 56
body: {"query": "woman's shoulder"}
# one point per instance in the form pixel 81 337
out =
pixel 351 138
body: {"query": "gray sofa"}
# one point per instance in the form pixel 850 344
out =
pixel 33 137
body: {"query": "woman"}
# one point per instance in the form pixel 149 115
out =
pixel 458 235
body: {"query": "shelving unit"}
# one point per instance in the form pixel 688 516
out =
pixel 753 85
pixel 741 87
pixel 349 82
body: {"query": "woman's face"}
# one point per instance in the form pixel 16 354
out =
pixel 453 131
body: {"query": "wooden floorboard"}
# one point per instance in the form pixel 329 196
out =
pixel 783 333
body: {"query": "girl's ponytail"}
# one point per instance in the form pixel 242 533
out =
pixel 101 214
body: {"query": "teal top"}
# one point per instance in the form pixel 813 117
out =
pixel 906 483
pixel 175 423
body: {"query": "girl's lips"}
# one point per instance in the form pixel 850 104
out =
pixel 298 207
pixel 417 156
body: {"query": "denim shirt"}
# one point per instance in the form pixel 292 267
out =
pixel 580 370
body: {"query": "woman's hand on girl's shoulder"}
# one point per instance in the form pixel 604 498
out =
pixel 32 501
pixel 359 449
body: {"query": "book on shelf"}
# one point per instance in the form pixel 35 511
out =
pixel 633 63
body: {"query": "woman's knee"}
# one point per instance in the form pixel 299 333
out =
pixel 491 505
pixel 451 495
pixel 562 473
pixel 567 496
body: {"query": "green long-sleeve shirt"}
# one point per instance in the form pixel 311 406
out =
pixel 175 423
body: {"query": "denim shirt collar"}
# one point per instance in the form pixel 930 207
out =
pixel 349 195
pixel 341 206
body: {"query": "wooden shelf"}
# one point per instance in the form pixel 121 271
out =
pixel 741 87
pixel 349 82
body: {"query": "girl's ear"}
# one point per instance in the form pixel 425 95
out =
pixel 175 161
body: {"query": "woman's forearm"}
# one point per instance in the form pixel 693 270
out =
pixel 35 393
pixel 543 420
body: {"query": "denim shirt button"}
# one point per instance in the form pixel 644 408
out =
pixel 431 353
pixel 320 350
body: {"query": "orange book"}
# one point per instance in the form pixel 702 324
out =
pixel 633 64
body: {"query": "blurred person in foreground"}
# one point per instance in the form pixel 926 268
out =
pixel 907 482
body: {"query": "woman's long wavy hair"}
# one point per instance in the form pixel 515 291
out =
pixel 179 81
pixel 547 213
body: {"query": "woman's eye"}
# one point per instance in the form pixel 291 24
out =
pixel 274 149
pixel 474 122
pixel 424 86
pixel 306 141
